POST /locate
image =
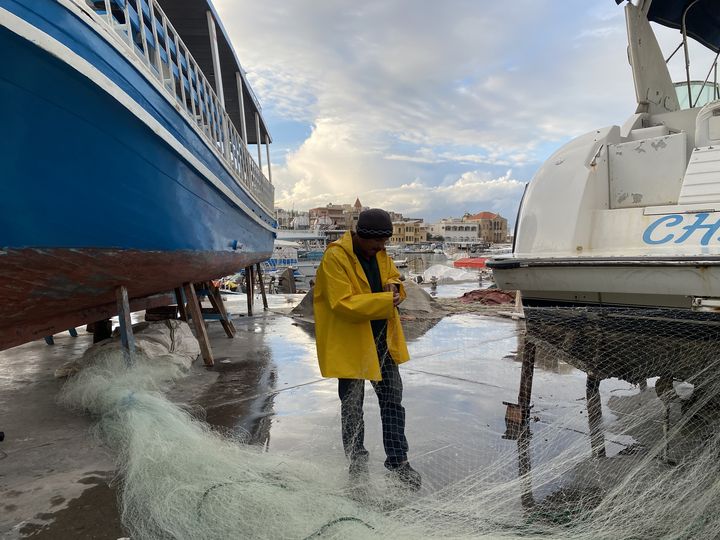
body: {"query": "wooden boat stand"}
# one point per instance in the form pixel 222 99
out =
pixel 50 340
pixel 127 338
pixel 189 307
pixel 188 301
pixel 517 415
pixel 250 279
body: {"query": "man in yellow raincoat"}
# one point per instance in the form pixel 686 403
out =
pixel 359 337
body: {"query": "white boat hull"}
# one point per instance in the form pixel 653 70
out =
pixel 620 282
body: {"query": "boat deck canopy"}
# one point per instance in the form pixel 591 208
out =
pixel 702 21
pixel 189 17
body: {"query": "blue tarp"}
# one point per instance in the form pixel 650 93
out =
pixel 703 19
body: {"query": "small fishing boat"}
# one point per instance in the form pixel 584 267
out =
pixel 125 129
pixel 308 246
pixel 629 215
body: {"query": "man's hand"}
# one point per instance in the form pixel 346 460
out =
pixel 391 287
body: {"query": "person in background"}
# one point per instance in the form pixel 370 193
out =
pixel 359 337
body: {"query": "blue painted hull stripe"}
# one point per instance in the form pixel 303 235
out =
pixel 54 47
pixel 80 171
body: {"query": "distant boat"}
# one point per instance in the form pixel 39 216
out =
pixel 124 134
pixel 400 263
pixel 470 262
pixel 302 250
pixel 286 254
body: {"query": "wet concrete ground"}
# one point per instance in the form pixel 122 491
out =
pixel 56 481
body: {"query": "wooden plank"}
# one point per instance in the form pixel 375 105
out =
pixel 127 338
pixel 262 287
pixel 217 304
pixel 199 323
pixel 59 323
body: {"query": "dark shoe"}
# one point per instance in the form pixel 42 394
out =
pixel 359 470
pixel 407 476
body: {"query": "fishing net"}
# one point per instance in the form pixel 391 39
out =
pixel 635 456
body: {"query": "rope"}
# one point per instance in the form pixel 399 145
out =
pixel 329 524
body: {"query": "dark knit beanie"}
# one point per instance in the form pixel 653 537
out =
pixel 374 223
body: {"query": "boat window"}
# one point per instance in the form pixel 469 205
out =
pixel 701 95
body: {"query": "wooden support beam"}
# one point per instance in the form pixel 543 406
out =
pixel 517 415
pixel 249 289
pixel 181 304
pixel 262 286
pixel 102 330
pixel 594 408
pixel 217 304
pixel 526 378
pixel 127 339
pixel 199 323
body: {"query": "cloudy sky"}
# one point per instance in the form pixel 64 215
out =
pixel 428 108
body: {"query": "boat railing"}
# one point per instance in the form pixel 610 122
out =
pixel 145 28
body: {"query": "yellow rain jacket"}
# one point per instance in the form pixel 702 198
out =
pixel 344 306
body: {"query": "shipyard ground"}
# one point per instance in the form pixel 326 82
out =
pixel 56 481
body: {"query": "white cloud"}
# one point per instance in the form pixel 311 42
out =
pixel 397 91
pixel 472 191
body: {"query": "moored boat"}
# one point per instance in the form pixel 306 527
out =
pixel 126 126
pixel 630 215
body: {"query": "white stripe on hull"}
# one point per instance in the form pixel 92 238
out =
pixel 623 285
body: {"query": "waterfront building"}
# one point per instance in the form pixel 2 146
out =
pixel 492 228
pixel 329 215
pixel 456 231
pixel 352 213
pixel 409 231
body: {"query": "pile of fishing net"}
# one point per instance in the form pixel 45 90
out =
pixel 441 273
pixel 180 479
pixel 648 468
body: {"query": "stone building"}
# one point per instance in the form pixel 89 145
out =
pixel 352 213
pixel 409 231
pixel 492 228
pixel 456 231
pixel 330 215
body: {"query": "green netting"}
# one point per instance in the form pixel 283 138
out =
pixel 658 479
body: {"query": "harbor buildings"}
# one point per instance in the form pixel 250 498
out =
pixel 492 228
pixel 409 231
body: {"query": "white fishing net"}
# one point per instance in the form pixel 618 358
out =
pixel 640 463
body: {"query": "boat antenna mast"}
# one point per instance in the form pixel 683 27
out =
pixel 683 29
pixel 686 50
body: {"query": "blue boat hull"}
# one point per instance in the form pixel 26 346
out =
pixel 92 197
